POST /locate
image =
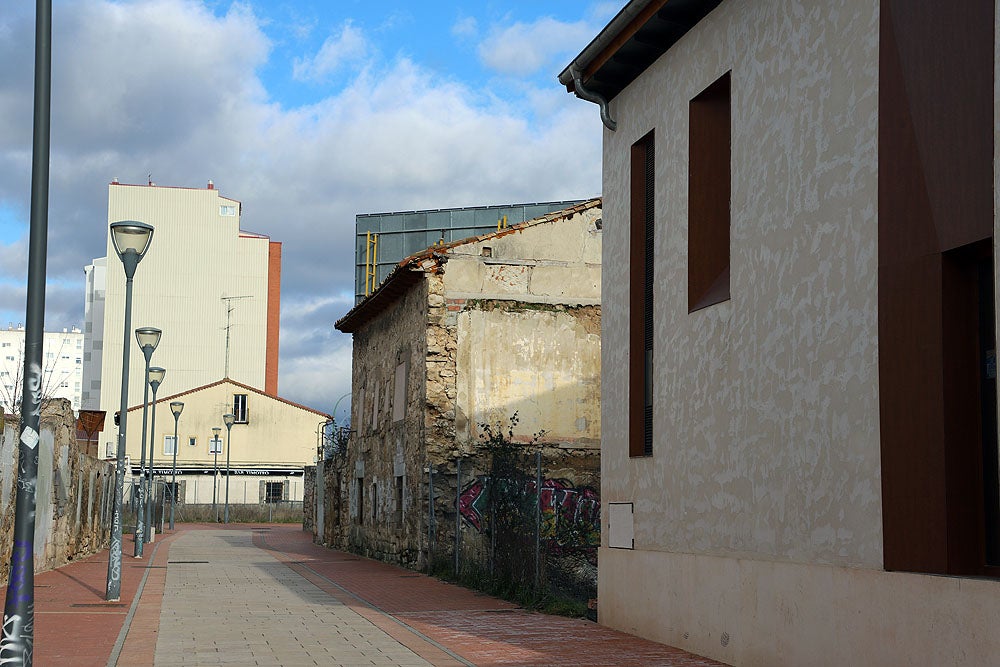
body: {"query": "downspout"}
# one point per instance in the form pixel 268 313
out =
pixel 590 96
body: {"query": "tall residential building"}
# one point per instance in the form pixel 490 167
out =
pixel 62 366
pixel 212 289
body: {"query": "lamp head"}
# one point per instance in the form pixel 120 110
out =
pixel 148 337
pixel 131 236
pixel 228 419
pixel 215 431
pixel 156 377
pixel 176 407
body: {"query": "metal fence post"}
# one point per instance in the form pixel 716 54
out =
pixel 458 511
pixel 538 518
pixel 430 515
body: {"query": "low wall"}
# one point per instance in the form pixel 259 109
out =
pixel 73 498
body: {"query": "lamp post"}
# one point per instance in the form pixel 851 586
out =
pixel 148 338
pixel 19 605
pixel 175 407
pixel 155 378
pixel 131 240
pixel 228 420
pixel 215 476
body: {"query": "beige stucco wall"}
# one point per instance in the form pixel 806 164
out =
pixel 278 435
pixel 196 257
pixel 766 427
pixel 757 521
pixel 525 318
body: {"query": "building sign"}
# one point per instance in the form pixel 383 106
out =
pixel 249 472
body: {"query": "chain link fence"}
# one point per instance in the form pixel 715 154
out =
pixel 501 524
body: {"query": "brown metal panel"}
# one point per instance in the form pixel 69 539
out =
pixel 912 427
pixel 935 194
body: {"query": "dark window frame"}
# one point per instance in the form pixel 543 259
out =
pixel 642 232
pixel 709 194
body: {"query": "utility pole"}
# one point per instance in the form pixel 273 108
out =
pixel 230 307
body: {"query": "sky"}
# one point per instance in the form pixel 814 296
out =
pixel 308 113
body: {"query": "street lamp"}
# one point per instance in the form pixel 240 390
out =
pixel 228 420
pixel 176 407
pixel 216 443
pixel 148 338
pixel 131 240
pixel 155 378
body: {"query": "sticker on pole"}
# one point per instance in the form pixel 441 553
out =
pixel 30 437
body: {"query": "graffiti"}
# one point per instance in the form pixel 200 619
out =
pixel 571 516
pixel 16 643
pixel 140 520
pixel 34 387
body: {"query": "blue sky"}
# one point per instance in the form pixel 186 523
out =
pixel 308 113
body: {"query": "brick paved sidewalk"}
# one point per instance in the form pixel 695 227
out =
pixel 443 624
pixel 478 629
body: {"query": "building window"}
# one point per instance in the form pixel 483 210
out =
pixel 399 393
pixel 227 210
pixel 360 516
pixel 215 446
pixel 169 445
pixel 709 177
pixel 273 492
pixel 171 492
pixel 374 503
pixel 240 408
pixel 641 282
pixel 192 441
pixel 399 500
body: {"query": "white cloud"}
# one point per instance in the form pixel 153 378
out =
pixel 168 88
pixel 338 51
pixel 466 27
pixel 521 49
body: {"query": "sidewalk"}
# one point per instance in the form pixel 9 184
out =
pixel 265 595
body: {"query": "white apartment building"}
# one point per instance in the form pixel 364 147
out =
pixel 62 366
pixel 212 288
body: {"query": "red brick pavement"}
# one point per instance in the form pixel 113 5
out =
pixel 74 625
pixel 480 629
pixel 446 624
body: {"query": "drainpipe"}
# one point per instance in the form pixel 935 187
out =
pixel 590 96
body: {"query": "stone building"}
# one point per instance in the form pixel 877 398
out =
pixel 799 431
pixel 460 334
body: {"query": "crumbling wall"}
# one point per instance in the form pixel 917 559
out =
pixel 73 493
pixel 371 487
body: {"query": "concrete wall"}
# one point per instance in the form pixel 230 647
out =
pixel 73 498
pixel 757 521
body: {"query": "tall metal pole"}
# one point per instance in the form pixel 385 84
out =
pixel 215 483
pixel 19 607
pixel 176 408
pixel 148 537
pixel 229 448
pixel 130 260
pixel 140 514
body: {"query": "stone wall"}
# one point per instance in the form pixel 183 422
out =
pixel 73 497
pixel 501 324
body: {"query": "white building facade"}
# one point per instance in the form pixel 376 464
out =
pixel 62 366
